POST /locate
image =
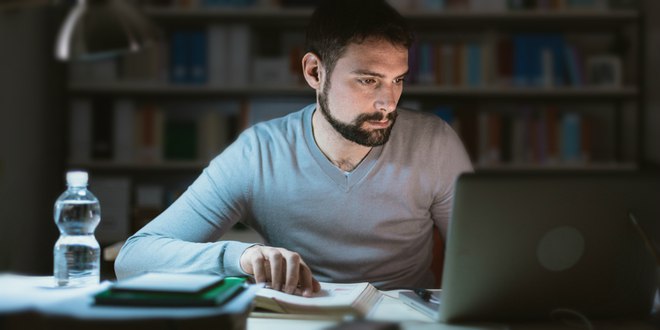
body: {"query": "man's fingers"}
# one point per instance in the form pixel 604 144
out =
pixel 258 269
pixel 292 272
pixel 267 274
pixel 306 281
pixel 283 269
pixel 275 271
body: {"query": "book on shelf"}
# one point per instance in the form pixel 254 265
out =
pixel 198 67
pixel 179 53
pixel 225 55
pixel 334 300
pixel 425 70
pixel 219 55
pixel 504 62
pixel 468 130
pixel 537 60
pixel 524 136
pixel 234 62
pixel 172 290
pixel 216 129
pixel 541 60
pixel 188 57
pixel 575 66
pixel 124 131
pixel 474 62
pixel 149 134
pixel 219 50
pixel 459 62
pixel 239 42
pixel 180 139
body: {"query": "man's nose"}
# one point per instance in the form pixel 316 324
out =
pixel 387 99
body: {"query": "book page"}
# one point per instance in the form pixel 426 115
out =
pixel 331 294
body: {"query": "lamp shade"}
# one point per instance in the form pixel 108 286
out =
pixel 103 28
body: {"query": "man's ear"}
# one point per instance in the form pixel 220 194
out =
pixel 312 70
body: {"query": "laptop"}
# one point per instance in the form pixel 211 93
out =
pixel 531 246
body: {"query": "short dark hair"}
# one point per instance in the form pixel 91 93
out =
pixel 337 23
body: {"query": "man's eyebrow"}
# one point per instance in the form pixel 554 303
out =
pixel 375 74
pixel 368 73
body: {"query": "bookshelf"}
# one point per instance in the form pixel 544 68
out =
pixel 150 89
pixel 465 18
pixel 613 111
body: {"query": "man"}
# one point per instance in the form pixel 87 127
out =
pixel 344 190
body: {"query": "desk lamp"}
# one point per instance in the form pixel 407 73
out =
pixel 96 29
pixel 103 28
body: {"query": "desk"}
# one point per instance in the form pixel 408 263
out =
pixel 21 311
pixel 391 309
pixel 34 303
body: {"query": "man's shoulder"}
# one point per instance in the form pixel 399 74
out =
pixel 427 138
pixel 282 131
pixel 416 114
pixel 414 122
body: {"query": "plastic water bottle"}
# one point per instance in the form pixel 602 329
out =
pixel 77 253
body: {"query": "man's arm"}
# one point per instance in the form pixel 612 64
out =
pixel 454 161
pixel 184 237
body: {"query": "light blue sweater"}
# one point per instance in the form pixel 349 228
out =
pixel 373 224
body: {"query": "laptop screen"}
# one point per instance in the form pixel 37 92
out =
pixel 524 246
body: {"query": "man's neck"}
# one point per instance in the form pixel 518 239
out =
pixel 344 154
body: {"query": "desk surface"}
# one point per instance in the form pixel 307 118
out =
pixel 22 293
pixel 392 309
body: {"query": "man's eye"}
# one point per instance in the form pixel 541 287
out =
pixel 367 81
pixel 399 80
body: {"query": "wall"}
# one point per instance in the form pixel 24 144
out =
pixel 652 123
pixel 30 138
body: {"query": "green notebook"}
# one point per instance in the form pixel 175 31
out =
pixel 214 295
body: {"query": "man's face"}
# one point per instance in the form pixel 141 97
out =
pixel 359 100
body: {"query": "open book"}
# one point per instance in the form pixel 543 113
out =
pixel 334 299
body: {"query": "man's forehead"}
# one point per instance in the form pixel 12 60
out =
pixel 375 58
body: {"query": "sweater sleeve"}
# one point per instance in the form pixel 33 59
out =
pixel 454 162
pixel 184 238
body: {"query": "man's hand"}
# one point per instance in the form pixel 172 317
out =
pixel 285 270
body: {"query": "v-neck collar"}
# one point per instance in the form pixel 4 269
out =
pixel 346 180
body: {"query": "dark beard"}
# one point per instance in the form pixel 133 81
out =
pixel 354 131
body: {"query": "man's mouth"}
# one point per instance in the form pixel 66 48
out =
pixel 379 123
